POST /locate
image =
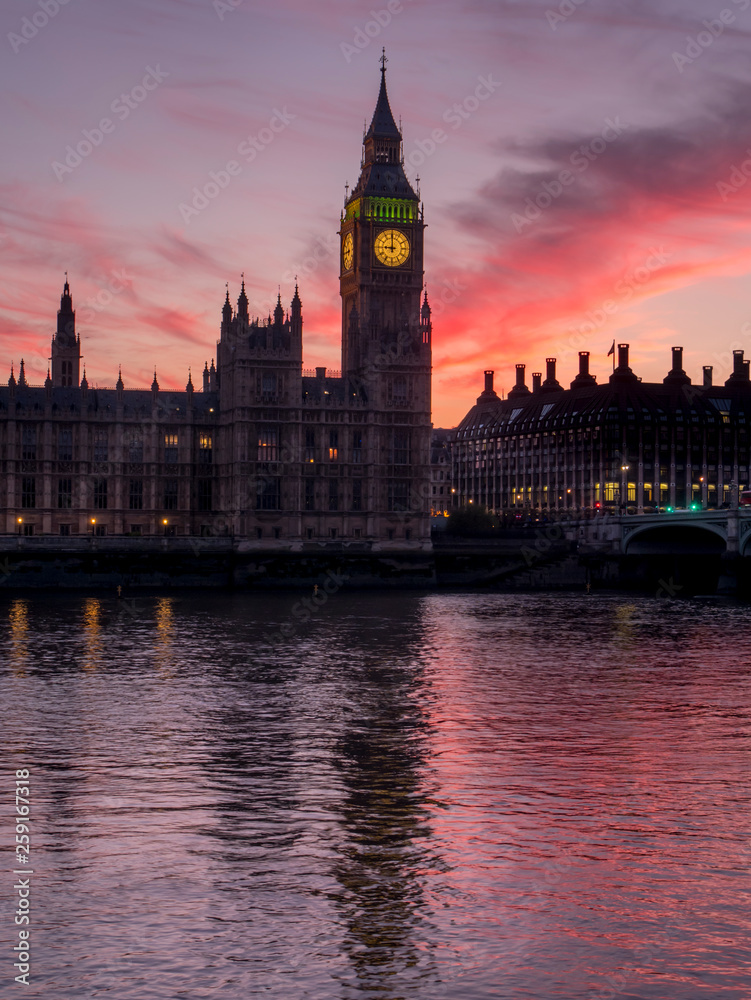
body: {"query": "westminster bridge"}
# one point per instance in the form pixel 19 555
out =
pixel 677 532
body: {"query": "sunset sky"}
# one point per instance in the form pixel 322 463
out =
pixel 599 190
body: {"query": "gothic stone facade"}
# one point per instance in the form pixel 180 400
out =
pixel 262 450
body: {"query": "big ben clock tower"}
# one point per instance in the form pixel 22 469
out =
pixel 381 266
pixel 386 331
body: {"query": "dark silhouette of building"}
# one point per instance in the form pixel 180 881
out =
pixel 625 444
pixel 262 449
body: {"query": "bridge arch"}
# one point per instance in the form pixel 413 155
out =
pixel 676 538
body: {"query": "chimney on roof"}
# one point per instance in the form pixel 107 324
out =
pixel 536 381
pixel 551 382
pixel 707 376
pixel 583 378
pixel 676 375
pixel 740 369
pixel 520 389
pixel 623 373
pixel 489 392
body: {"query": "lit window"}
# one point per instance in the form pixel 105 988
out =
pixel 268 444
pixel 170 448
pixel 310 446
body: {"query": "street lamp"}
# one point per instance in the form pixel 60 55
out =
pixel 624 489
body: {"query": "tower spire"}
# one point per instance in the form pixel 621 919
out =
pixel 382 125
pixel 242 302
pixel 66 345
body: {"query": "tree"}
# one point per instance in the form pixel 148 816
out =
pixel 473 521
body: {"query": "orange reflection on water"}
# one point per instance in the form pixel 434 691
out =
pixel 19 635
pixel 165 630
pixel 93 639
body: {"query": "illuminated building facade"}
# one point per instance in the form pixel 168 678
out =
pixel 262 450
pixel 626 444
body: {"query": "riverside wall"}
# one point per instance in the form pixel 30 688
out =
pixel 521 561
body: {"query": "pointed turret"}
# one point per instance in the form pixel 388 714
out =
pixel 154 385
pixel 206 377
pixel 189 386
pixel 295 325
pixel 22 375
pixel 279 311
pixel 66 345
pixel 12 380
pixel 119 385
pixel 66 317
pixel 426 323
pixel 227 309
pixel 242 304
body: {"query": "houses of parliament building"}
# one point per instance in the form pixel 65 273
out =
pixel 262 449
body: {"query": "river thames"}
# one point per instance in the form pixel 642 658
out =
pixel 434 796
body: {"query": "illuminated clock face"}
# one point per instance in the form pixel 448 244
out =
pixel 392 247
pixel 348 252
